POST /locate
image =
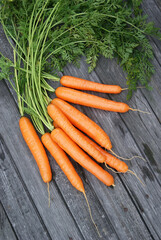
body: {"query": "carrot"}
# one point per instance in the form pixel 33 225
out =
pixel 33 142
pixel 84 123
pixel 63 161
pixel 77 97
pixel 82 84
pixel 66 166
pixel 58 116
pixel 111 160
pixel 70 147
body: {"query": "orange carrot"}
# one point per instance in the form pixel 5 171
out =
pixel 82 84
pixel 111 160
pixel 63 161
pixel 84 123
pixel 77 97
pixel 58 116
pixel 32 140
pixel 70 147
pixel 66 166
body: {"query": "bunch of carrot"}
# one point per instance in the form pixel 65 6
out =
pixel 66 136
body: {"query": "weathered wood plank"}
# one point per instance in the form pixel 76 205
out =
pixel 20 211
pixel 6 231
pixel 153 10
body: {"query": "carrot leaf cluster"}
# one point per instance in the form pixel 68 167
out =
pixel 48 34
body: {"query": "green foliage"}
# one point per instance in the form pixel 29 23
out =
pixel 5 67
pixel 49 34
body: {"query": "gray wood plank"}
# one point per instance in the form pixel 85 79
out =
pixel 21 212
pixel 125 145
pixel 6 231
pixel 57 219
pixel 153 10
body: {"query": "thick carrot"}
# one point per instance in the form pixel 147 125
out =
pixel 70 147
pixel 84 123
pixel 82 84
pixel 32 140
pixel 111 160
pixel 63 161
pixel 77 97
pixel 58 116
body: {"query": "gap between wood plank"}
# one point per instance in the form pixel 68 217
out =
pixel 11 226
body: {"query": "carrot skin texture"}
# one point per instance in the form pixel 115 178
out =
pixel 85 99
pixel 82 84
pixel 84 123
pixel 70 147
pixel 63 161
pixel 58 116
pixel 36 147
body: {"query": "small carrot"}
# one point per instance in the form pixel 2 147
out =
pixel 82 84
pixel 67 167
pixel 84 123
pixel 70 147
pixel 33 142
pixel 85 99
pixel 58 116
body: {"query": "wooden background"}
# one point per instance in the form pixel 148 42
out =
pixel 127 211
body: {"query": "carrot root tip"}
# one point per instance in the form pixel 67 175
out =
pixel 138 110
pixel 90 213
pixel 132 172
pixel 127 159
pixel 48 194
pixel 128 88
